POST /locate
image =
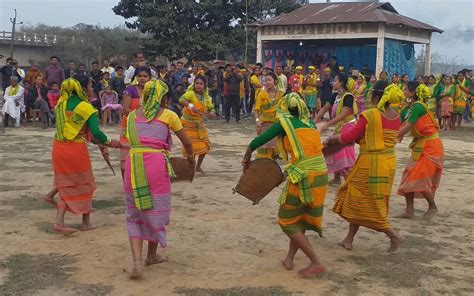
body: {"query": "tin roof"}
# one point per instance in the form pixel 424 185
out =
pixel 346 12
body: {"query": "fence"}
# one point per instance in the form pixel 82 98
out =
pixel 35 39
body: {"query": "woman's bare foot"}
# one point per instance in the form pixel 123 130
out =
pixel 430 213
pixel 394 244
pixel 87 227
pixel 50 200
pixel 335 181
pixel 346 245
pixel 63 229
pixel 199 170
pixel 311 271
pixel 406 215
pixel 157 260
pixel 287 263
pixel 137 273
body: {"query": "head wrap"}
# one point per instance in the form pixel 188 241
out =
pixel 299 68
pixel 362 77
pixel 350 85
pixel 201 73
pixel 152 94
pixel 327 69
pixel 294 101
pixel 422 92
pixel 391 94
pixel 311 68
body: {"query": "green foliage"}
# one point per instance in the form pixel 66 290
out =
pixel 197 29
pixel 84 43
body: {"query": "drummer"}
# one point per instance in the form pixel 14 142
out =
pixel 302 200
pixel 343 111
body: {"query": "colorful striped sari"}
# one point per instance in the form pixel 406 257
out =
pixel 302 199
pixel 364 197
pixel 267 108
pixel 423 171
pixel 147 183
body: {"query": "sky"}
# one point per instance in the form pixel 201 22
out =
pixel 455 17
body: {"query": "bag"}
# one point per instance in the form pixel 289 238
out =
pixel 259 179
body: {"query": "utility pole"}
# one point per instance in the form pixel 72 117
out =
pixel 246 31
pixel 14 23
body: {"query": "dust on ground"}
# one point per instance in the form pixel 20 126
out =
pixel 219 244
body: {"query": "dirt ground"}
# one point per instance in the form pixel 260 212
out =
pixel 219 243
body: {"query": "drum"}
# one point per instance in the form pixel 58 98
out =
pixel 181 169
pixel 330 149
pixel 259 179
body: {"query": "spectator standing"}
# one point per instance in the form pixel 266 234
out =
pixel 13 102
pixel 82 70
pixel 107 68
pixel 53 73
pixel 177 77
pixel 20 71
pixel 118 82
pixel 233 79
pixel 283 79
pixel 213 87
pixel 325 86
pixel 70 71
pixel 96 76
pixel 139 62
pixel 7 72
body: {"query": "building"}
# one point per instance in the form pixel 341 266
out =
pixel 355 33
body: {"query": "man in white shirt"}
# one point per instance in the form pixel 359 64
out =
pixel 284 80
pixel 139 62
pixel 13 102
pixel 107 68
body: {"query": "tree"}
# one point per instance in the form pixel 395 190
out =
pixel 197 29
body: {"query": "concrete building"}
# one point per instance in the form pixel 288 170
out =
pixel 355 33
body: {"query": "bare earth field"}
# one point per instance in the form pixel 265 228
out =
pixel 219 244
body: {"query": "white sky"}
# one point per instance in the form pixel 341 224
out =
pixel 455 17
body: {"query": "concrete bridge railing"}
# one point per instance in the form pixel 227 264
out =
pixel 35 39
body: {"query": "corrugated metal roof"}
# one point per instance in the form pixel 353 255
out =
pixel 346 12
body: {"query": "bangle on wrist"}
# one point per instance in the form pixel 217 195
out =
pixel 107 142
pixel 190 106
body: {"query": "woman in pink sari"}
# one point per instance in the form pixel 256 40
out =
pixel 343 108
pixel 147 175
pixel 359 91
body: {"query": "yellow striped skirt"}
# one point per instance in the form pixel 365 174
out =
pixel 294 216
pixel 197 133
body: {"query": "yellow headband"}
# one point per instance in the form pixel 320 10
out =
pixel 312 68
pixel 299 68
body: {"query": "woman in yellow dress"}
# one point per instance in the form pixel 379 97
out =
pixel 265 110
pixel 197 105
pixel 363 199
pixel 302 199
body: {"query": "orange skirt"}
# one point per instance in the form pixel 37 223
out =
pixel 73 176
pixel 424 174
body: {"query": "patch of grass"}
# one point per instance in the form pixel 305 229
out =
pixel 27 203
pixel 346 285
pixel 30 273
pixel 106 203
pixel 93 290
pixel 4 188
pixel 45 227
pixel 406 268
pixel 236 291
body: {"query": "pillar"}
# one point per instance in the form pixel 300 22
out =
pixel 428 58
pixel 259 45
pixel 380 49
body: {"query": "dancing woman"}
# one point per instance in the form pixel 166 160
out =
pixel 76 119
pixel 266 103
pixel 148 170
pixel 302 200
pixel 343 109
pixel 197 105
pixel 423 172
pixel 131 101
pixel 364 197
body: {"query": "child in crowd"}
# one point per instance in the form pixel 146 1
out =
pixel 109 100
pixel 105 80
pixel 53 97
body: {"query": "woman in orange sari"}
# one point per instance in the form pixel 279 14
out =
pixel 131 101
pixel 423 172
pixel 76 120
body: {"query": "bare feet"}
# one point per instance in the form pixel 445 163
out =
pixel 394 244
pixel 406 216
pixel 50 201
pixel 287 263
pixel 137 273
pixel 311 271
pixel 157 260
pixel 63 229
pixel 87 227
pixel 430 213
pixel 346 245
pixel 199 170
pixel 335 181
